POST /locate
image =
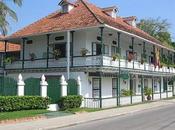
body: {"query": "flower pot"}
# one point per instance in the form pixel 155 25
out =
pixel 148 97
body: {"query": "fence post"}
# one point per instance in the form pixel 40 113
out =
pixel 43 86
pixel 63 86
pixel 21 84
pixel 79 85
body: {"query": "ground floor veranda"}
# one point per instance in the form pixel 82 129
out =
pixel 104 89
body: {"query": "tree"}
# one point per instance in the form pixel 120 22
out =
pixel 5 12
pixel 157 28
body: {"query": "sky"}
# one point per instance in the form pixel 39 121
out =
pixel 33 10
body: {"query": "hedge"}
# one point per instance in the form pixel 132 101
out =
pixel 17 103
pixel 68 102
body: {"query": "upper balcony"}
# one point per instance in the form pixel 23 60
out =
pixel 38 52
pixel 88 61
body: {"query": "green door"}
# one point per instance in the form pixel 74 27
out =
pixel 8 86
pixel 32 87
pixel 72 88
pixel 54 88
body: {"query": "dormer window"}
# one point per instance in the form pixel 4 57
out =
pixel 130 20
pixel 66 5
pixel 111 11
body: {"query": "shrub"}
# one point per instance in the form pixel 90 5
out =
pixel 126 92
pixel 16 103
pixel 68 102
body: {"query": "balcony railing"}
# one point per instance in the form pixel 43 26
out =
pixel 79 61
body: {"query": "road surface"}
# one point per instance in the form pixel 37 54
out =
pixel 154 119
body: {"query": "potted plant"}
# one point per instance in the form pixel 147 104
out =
pixel 148 92
pixel 56 54
pixel 143 58
pixel 83 51
pixel 130 57
pixel 32 56
pixel 9 60
pixel 115 56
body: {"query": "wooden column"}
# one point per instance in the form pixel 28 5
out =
pixel 68 55
pixel 5 53
pixel 152 88
pixel 142 88
pixel 48 41
pixel 23 52
pixel 102 49
pixel 132 39
pixel 72 49
pixel 118 86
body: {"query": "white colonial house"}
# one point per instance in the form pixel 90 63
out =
pixel 110 54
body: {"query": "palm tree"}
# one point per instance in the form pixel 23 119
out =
pixel 5 12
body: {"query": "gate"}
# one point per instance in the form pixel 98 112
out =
pixel 54 88
pixel 8 86
pixel 72 88
pixel 32 87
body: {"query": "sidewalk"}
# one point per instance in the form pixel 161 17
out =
pixel 85 117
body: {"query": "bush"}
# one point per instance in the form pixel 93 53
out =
pixel 16 103
pixel 126 92
pixel 68 102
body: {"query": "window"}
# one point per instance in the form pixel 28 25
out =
pixel 62 48
pixel 96 49
pixel 59 38
pixel 95 87
pixel 114 87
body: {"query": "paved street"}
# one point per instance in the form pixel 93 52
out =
pixel 155 119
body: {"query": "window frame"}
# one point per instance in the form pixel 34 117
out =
pixel 96 89
pixel 114 87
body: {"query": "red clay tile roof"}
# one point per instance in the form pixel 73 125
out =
pixel 83 15
pixel 130 18
pixel 10 46
pixel 109 8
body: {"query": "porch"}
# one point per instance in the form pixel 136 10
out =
pixel 111 92
pixel 91 47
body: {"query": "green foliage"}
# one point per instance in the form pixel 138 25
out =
pixel 69 102
pixel 126 92
pixel 158 28
pixel 5 12
pixel 16 103
pixel 147 91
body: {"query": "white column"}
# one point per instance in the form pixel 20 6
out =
pixel 21 85
pixel 63 86
pixel 68 54
pixel 79 85
pixel 43 86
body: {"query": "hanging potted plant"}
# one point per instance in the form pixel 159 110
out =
pixel 143 58
pixel 83 52
pixel 9 60
pixel 148 92
pixel 32 56
pixel 56 54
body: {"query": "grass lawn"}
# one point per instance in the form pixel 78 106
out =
pixel 20 114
